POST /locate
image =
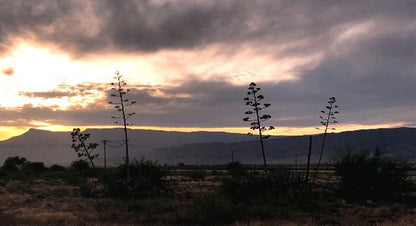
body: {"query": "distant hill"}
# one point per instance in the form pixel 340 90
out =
pixel 55 147
pixel 398 143
pixel 206 147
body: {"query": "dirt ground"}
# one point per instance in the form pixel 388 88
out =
pixel 54 202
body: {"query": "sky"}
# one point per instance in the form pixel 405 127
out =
pixel 188 64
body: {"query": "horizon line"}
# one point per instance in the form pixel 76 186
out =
pixel 279 131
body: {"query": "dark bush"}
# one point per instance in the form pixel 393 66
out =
pixel 145 181
pixel 86 191
pixel 279 195
pixel 35 166
pixel 74 177
pixel 211 210
pixel 3 174
pixel 372 177
pixel 236 169
pixel 260 188
pixel 142 168
pixel 245 189
pixel 150 209
pixel 13 163
pixel 119 189
pixel 81 165
pixel 56 167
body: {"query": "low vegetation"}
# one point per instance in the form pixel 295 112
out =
pixel 145 181
pixel 370 176
pixel 379 188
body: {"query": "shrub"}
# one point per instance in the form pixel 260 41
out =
pixel 145 180
pixel 236 169
pixel 281 194
pixel 13 163
pixel 81 165
pixel 74 177
pixel 86 191
pixel 245 189
pixel 211 210
pixel 79 172
pixel 56 167
pixel 34 166
pixel 3 174
pixel 372 177
pixel 151 209
pixel 260 188
pixel 119 189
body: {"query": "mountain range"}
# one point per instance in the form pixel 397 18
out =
pixel 207 147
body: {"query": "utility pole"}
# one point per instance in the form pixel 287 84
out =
pixel 105 153
pixel 296 162
pixel 309 159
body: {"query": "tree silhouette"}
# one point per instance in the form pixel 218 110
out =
pixel 327 117
pixel 119 92
pixel 253 99
pixel 13 163
pixel 80 146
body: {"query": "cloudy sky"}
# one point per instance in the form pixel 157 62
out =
pixel 189 63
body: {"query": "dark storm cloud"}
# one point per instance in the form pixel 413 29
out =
pixel 68 91
pixel 145 26
pixel 220 104
pixel 83 27
pixel 375 98
pixel 20 17
pixel 207 104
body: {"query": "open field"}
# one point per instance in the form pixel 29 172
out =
pixel 59 198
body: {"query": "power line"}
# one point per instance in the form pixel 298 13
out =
pixel 116 146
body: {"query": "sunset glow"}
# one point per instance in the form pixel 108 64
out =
pixel 8 132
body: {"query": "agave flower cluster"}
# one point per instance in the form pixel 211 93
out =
pixel 254 101
pixel 327 117
pixel 120 92
pixel 328 114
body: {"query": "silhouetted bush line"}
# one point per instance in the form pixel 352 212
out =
pixel 14 163
pixel 145 180
pixel 236 169
pixel 56 167
pixel 250 194
pixel 371 176
pixel 80 165
pixel 210 210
